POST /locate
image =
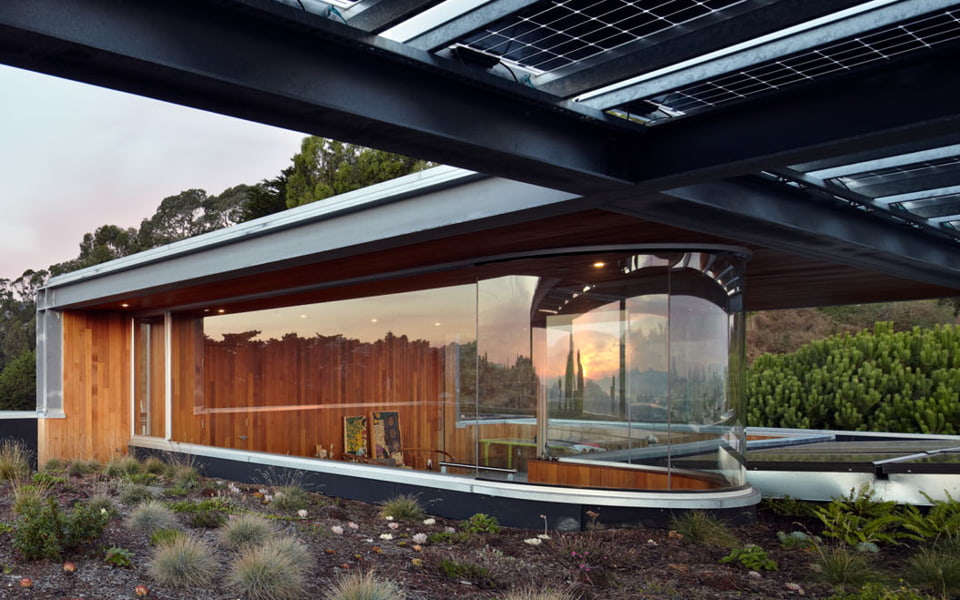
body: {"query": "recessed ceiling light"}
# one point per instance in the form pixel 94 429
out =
pixel 599 264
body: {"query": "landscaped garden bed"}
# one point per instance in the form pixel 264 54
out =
pixel 84 530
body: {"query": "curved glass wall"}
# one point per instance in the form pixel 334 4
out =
pixel 605 368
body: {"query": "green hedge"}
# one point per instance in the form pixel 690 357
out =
pixel 882 380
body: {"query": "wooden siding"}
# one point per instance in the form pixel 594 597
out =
pixel 96 390
pixel 598 476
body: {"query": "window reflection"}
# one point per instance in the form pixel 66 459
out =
pixel 604 369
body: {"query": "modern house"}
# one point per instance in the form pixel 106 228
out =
pixel 558 329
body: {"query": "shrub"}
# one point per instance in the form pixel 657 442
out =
pixel 118 557
pixel 700 528
pixel 858 519
pixel 481 523
pixel 43 530
pixel 14 460
pixel 185 562
pixel 752 557
pixel 151 516
pixel 266 573
pixel 135 493
pixel 364 586
pixel 877 380
pixel 245 530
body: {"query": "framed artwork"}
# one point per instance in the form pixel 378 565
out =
pixel 355 436
pixel 386 436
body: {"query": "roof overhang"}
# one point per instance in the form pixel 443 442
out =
pixel 849 173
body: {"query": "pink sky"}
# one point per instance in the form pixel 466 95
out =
pixel 74 157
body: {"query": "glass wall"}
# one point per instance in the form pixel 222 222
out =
pixel 605 369
pixel 149 396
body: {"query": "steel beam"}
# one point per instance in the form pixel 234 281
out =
pixel 455 23
pixel 268 62
pixel 376 15
pixel 892 103
pixel 772 215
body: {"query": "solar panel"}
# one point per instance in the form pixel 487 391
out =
pixel 551 35
pixel 911 36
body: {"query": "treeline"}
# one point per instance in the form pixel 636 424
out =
pixel 321 168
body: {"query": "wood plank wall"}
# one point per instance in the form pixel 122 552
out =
pixel 598 476
pixel 96 390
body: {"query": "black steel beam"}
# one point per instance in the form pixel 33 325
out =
pixel 378 15
pixel 769 214
pixel 268 62
pixel 894 102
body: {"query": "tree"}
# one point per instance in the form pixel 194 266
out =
pixel 267 197
pixel 18 383
pixel 325 167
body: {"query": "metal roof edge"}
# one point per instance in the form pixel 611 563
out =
pixel 394 190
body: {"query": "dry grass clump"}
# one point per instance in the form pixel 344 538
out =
pixel 364 586
pixel 245 531
pixel 268 572
pixel 701 528
pixel 531 593
pixel 403 508
pixel 151 516
pixel 185 562
pixel 14 460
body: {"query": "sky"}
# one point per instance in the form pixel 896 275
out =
pixel 74 157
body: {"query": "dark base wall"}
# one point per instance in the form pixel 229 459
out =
pixel 23 430
pixel 510 512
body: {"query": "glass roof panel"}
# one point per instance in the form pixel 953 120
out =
pixel 554 34
pixel 943 206
pixel 903 179
pixel 844 55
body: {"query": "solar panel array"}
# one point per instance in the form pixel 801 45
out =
pixel 551 35
pixel 844 55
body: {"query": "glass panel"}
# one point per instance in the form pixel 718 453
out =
pixel 150 380
pixel 377 380
pixel 605 369
pixel 507 403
